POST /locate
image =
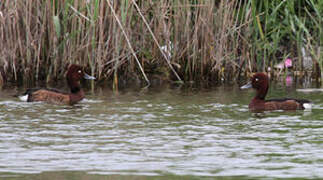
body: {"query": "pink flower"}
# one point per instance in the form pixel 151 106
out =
pixel 288 63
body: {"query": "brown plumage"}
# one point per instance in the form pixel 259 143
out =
pixel 73 77
pixel 260 82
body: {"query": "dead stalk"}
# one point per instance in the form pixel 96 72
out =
pixel 128 41
pixel 156 41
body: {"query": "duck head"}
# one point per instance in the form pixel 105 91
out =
pixel 74 74
pixel 260 82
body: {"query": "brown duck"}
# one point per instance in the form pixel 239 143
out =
pixel 54 96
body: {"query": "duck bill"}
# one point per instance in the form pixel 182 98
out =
pixel 86 76
pixel 248 85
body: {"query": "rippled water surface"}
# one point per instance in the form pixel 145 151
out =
pixel 162 132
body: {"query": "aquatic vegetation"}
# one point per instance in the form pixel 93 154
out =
pixel 211 41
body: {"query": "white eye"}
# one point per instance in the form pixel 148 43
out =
pixel 79 71
pixel 257 79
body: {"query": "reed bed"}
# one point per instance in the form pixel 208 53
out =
pixel 210 41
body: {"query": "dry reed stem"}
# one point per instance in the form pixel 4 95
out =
pixel 128 42
pixel 156 41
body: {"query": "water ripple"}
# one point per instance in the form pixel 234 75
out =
pixel 150 135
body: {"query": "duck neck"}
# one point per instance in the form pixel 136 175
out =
pixel 261 93
pixel 76 97
pixel 74 86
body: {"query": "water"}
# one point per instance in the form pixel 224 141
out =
pixel 160 133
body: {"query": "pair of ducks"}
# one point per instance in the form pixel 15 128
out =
pixel 259 81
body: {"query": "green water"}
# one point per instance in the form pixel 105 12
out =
pixel 160 133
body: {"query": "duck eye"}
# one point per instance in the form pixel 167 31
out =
pixel 79 71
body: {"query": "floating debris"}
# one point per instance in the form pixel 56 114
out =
pixel 168 50
pixel 308 90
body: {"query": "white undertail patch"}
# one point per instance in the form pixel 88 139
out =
pixel 307 105
pixel 24 97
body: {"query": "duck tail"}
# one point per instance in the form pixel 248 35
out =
pixel 26 95
pixel 306 104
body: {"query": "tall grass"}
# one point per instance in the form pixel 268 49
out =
pixel 283 28
pixel 120 41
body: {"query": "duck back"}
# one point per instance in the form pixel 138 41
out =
pixel 46 94
pixel 289 103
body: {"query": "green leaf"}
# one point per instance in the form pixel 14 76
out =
pixel 57 26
